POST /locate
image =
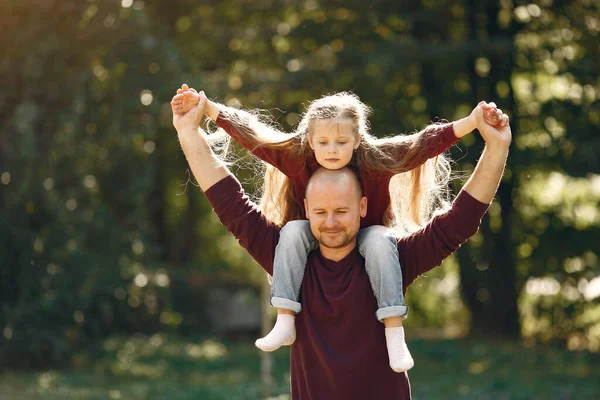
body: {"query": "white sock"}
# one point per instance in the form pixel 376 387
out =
pixel 282 334
pixel 400 358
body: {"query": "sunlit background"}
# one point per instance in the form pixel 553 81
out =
pixel 118 282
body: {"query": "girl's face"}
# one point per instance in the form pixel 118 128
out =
pixel 333 142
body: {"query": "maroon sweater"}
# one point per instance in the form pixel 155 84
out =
pixel 375 184
pixel 340 350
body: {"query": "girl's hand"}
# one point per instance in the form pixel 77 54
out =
pixel 190 119
pixel 185 99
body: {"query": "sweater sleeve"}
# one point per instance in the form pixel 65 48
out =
pixel 437 139
pixel 428 247
pixel 280 159
pixel 244 220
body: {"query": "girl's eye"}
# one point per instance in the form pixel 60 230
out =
pixel 322 142
pixel 342 142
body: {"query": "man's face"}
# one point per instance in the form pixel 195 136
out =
pixel 334 211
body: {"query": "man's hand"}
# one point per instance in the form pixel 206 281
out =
pixel 190 119
pixel 491 115
pixel 498 134
pixel 206 167
pixel 483 183
pixel 187 98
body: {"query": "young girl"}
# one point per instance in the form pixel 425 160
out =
pixel 334 133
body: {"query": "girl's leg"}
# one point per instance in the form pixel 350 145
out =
pixel 295 242
pixel 379 247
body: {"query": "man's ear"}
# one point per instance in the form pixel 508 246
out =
pixel 305 207
pixel 362 207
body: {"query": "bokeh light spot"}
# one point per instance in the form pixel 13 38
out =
pixel 146 97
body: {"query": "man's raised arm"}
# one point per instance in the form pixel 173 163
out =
pixel 206 167
pixel 239 215
pixel 427 248
pixel 487 175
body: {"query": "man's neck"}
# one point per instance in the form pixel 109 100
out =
pixel 338 253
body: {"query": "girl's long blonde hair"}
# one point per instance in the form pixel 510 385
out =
pixel 416 195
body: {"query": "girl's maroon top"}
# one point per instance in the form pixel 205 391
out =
pixel 375 184
pixel 340 351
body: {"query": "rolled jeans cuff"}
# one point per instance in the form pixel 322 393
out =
pixel 280 302
pixel 393 311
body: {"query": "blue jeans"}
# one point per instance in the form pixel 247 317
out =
pixel 376 244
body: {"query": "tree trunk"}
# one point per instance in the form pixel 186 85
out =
pixel 488 275
pixel 158 204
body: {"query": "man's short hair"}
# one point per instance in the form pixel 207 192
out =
pixel 334 176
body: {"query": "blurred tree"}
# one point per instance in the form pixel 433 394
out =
pixel 102 232
pixel 80 122
pixel 488 275
pixel 556 213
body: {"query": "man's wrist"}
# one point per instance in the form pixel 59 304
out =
pixel 187 131
pixel 497 150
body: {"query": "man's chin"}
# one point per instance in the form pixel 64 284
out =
pixel 337 241
pixel 334 244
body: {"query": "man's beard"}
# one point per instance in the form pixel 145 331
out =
pixel 341 239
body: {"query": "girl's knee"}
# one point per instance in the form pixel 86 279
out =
pixel 295 231
pixel 378 234
pixel 378 237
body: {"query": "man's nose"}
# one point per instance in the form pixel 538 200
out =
pixel 331 220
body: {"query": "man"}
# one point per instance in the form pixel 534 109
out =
pixel 340 350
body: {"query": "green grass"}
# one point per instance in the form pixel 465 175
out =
pixel 461 369
pixel 153 368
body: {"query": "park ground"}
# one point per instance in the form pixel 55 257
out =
pixel 161 367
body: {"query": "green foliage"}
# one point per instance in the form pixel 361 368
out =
pixel 556 221
pixel 79 175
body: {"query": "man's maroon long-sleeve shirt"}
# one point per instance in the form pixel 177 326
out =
pixel 340 351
